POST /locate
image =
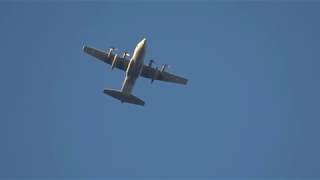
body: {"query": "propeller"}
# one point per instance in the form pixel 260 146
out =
pixel 151 62
pixel 125 54
pixel 155 75
pixel 110 50
pixel 164 67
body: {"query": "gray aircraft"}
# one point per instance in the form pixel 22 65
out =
pixel 134 67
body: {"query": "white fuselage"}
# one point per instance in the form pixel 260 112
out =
pixel 134 67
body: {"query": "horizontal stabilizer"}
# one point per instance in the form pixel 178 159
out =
pixel 124 98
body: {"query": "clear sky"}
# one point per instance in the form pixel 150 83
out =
pixel 250 109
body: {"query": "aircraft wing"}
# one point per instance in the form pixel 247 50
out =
pixel 155 74
pixel 121 63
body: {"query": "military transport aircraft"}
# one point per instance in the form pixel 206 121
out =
pixel 134 68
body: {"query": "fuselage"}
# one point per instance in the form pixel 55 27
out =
pixel 134 67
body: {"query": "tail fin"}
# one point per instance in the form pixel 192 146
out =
pixel 124 98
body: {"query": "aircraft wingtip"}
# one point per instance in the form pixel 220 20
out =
pixel 84 47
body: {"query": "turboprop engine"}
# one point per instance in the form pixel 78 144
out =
pixel 155 75
pixel 164 67
pixel 151 62
pixel 125 54
pixel 111 50
pixel 114 61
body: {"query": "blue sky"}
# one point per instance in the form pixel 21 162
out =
pixel 251 108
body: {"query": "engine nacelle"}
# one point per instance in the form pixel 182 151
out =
pixel 114 61
pixel 150 63
pixel 110 52
pixel 125 54
pixel 163 67
pixel 155 75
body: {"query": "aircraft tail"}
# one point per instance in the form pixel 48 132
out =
pixel 124 98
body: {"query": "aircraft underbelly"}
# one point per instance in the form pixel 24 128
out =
pixel 134 70
pixel 128 85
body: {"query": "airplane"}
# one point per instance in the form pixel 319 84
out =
pixel 134 67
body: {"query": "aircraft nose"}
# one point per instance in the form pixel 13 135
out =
pixel 144 41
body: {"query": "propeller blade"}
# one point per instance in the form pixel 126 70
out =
pixel 113 48
pixel 125 54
